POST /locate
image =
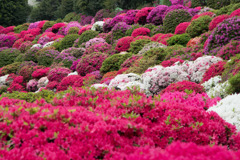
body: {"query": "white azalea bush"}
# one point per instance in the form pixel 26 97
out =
pixel 211 83
pixel 229 109
pixel 197 69
pixel 98 26
pixel 220 90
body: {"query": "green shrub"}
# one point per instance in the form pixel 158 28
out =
pixel 31 55
pixel 174 18
pixel 197 3
pixel 137 45
pixel 77 18
pixel 199 26
pixel 30 96
pixel 235 1
pixel 181 39
pixel 156 30
pixel 216 4
pixel 68 41
pixel 59 20
pixel 47 25
pixel 19 58
pixel 231 68
pixel 227 9
pixel 46 57
pixel 20 28
pixel 86 36
pixel 151 58
pixel 113 63
pixel 170 51
pixel 166 2
pixel 130 30
pixel 234 84
pixel 149 26
pixel 73 30
pixel 3 89
pixel 8 56
pixel 11 68
pixel 69 17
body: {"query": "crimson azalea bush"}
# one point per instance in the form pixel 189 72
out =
pixel 99 47
pixel 184 86
pixel 235 13
pixel 215 69
pixel 141 32
pixel 123 44
pixel 39 73
pixel 170 62
pixel 213 24
pixel 57 74
pixel 181 28
pixel 141 16
pixel 72 80
pixel 90 62
pixel 210 14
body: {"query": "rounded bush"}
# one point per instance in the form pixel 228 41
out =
pixel 46 57
pixel 229 50
pixel 10 68
pixel 181 39
pixel 20 28
pixel 57 74
pixel 99 47
pixel 155 16
pixel 47 25
pixel 141 32
pixel 123 44
pixel 68 41
pixel 231 68
pixel 198 26
pixel 235 13
pixel 65 58
pixel 8 56
pixel 184 86
pixel 86 36
pixel 76 52
pixel 219 19
pixel 172 8
pixel 197 3
pixel 170 62
pixel 137 45
pixel 70 81
pixel 69 17
pixel 225 32
pixel 114 62
pixel 73 30
pixel 31 54
pixel 39 73
pixel 156 30
pixel 182 27
pixel 119 30
pixel 130 16
pixel 174 18
pixel 7 41
pixel 142 14
pixel 210 14
pixel 90 62
pixel 163 38
pixel 215 69
pixel 216 4
pixel 130 61
pixel 131 29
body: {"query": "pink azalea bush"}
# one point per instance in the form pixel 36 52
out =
pixel 181 28
pixel 141 16
pixel 99 47
pixel 140 32
pixel 123 44
pixel 39 73
pixel 229 50
pixel 57 74
pixel 213 24
pixel 73 80
pixel 32 85
pixel 170 62
pixel 90 63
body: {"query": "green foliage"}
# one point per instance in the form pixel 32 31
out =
pixel 156 30
pixel 86 36
pixel 198 26
pixel 234 84
pixel 228 9
pixel 117 34
pixel 77 18
pixel 65 8
pixel 46 10
pixel 174 18
pixel 167 2
pixel 231 67
pixel 73 30
pixel 130 30
pixel 181 39
pixel 68 41
pixel 216 4
pixel 113 63
pixel 235 1
pixel 47 95
pixel 170 50
pixel 47 25
pixel 87 7
pixel 137 45
pixel 69 17
pixel 20 28
pixel 197 3
pixel 13 12
pixel 8 56
pixel 19 58
pixel 45 58
pixel 149 26
pixel 11 68
pixel 3 89
pixel 159 54
pixel 30 55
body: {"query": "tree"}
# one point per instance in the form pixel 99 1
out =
pixel 13 12
pixel 88 7
pixel 65 8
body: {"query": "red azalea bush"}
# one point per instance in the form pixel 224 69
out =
pixel 7 30
pixel 52 85
pixel 156 36
pixel 88 80
pixel 83 29
pixel 25 46
pixel 213 24
pixel 181 28
pixel 17 84
pixel 29 37
pixel 123 44
pixel 57 26
pixel 229 50
pixel 210 14
pixel 163 39
pixel 141 32
pixel 142 14
pixel 235 13
pixel 72 80
pixel 18 43
pixel 130 61
pixel 170 62
pixel 39 73
pixel 194 41
pixel 57 74
pixel 183 86
pixel 141 37
pixel 89 63
pixel 215 69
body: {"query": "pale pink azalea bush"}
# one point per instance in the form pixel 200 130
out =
pixel 32 85
pixel 57 74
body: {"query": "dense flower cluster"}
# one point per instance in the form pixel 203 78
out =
pixel 141 16
pixel 229 50
pixel 57 74
pixel 123 44
pixel 213 24
pixel 156 14
pixel 181 28
pixel 140 32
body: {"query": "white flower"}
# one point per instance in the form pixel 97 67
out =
pixel 48 44
pixel 219 90
pixel 229 109
pixel 97 25
pixel 73 73
pixel 212 82
pixel 121 80
pixel 3 80
pixel 98 86
pixel 36 46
